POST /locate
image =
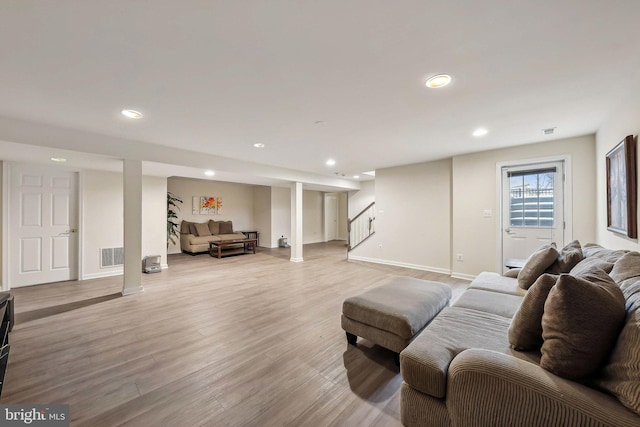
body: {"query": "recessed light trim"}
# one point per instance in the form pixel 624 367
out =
pixel 356 176
pixel 258 145
pixel 370 173
pixel 438 81
pixel 330 162
pixel 209 173
pixel 480 132
pixel 58 159
pixel 132 114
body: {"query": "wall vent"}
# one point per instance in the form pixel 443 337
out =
pixel 111 257
pixel 549 131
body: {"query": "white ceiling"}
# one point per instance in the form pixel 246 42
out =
pixel 218 76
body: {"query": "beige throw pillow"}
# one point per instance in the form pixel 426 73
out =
pixel 202 229
pixel 525 331
pixel 226 227
pixel 581 321
pixel 570 255
pixel 214 227
pixel 536 264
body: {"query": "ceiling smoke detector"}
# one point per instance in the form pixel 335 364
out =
pixel 549 131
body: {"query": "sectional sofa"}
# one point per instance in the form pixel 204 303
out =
pixel 195 237
pixel 561 351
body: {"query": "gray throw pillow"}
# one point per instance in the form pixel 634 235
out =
pixel 582 318
pixel 570 255
pixel 525 331
pixel 536 264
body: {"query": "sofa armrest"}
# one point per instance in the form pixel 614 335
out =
pixel 487 388
pixel 185 241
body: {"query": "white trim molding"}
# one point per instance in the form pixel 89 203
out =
pixel 400 264
pixel 463 276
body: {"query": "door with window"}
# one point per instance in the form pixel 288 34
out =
pixel 532 209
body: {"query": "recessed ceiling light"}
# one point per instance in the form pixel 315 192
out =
pixel 356 176
pixel 258 145
pixel 440 80
pixel 370 173
pixel 209 173
pixel 58 159
pixel 480 132
pixel 132 114
pixel 331 162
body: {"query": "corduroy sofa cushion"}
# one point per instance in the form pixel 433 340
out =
pixel 626 267
pixel 202 229
pixel 425 362
pixel 621 375
pixel 504 305
pixel 494 282
pixel 400 305
pixel 582 318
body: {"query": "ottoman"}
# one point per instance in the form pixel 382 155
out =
pixel 391 314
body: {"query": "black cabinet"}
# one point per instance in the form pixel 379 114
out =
pixel 6 314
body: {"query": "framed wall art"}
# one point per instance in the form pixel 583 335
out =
pixel 622 212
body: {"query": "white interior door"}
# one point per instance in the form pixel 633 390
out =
pixel 532 208
pixel 331 217
pixel 43 224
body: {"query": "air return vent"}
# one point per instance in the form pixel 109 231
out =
pixel 549 131
pixel 111 257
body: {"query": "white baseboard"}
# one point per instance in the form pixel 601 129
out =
pixel 131 291
pixel 400 264
pixel 462 276
pixel 296 259
pixel 110 273
pixel 164 266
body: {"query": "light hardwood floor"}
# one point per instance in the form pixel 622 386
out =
pixel 251 340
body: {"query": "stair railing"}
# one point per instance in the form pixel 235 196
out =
pixel 361 227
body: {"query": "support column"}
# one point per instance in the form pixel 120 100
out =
pixel 296 222
pixel 132 179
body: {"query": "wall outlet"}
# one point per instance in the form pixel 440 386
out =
pixel 459 257
pixel 487 213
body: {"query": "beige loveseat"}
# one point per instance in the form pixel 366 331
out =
pixel 463 371
pixel 195 237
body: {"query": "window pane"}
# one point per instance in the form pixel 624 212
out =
pixel 531 199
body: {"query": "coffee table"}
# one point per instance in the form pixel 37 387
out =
pixel 215 248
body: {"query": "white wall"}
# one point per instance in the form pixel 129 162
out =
pixel 360 199
pixel 154 217
pixel 622 121
pixel 475 189
pixel 237 202
pixel 101 195
pixel 280 214
pixel 413 217
pixel 262 214
pixel 102 225
pixel 313 216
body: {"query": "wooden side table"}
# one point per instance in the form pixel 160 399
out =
pixel 251 234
